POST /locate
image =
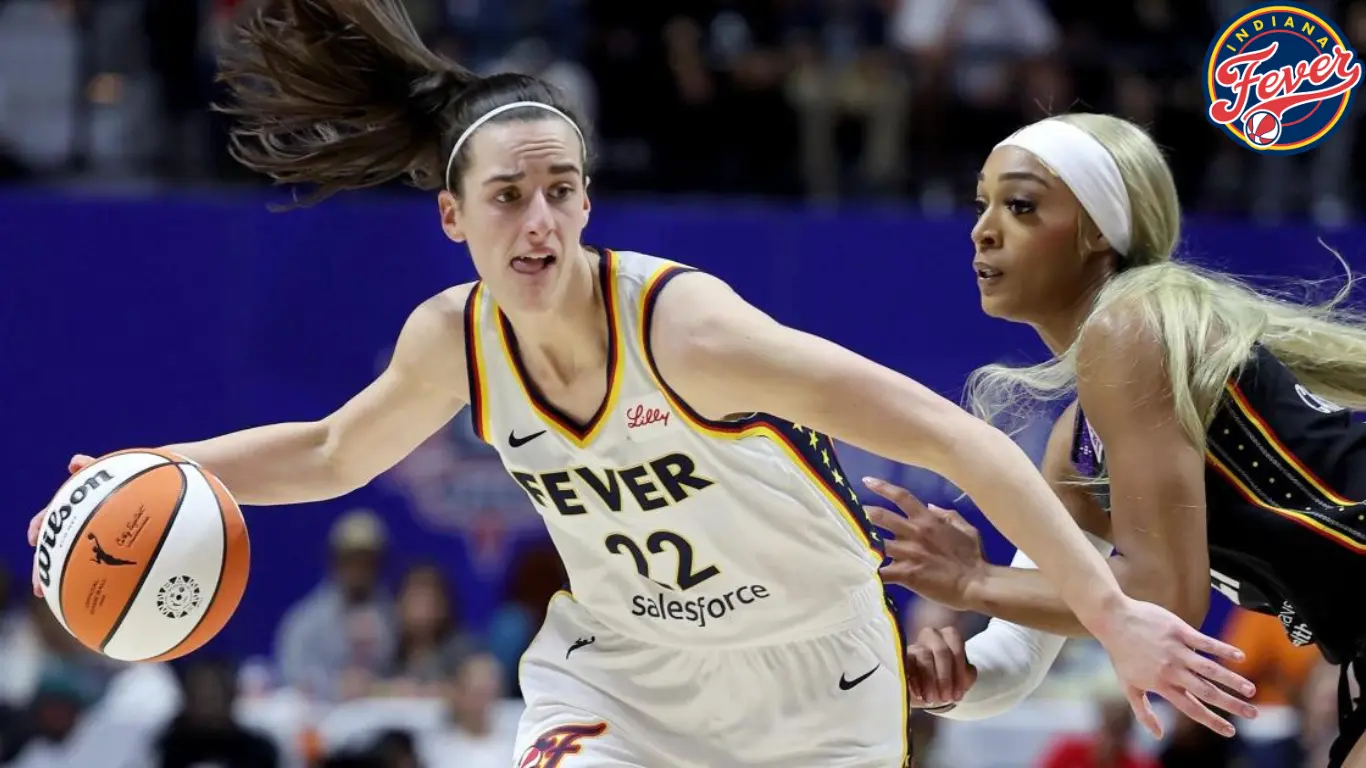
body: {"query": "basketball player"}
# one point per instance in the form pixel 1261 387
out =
pixel 1208 437
pixel 726 607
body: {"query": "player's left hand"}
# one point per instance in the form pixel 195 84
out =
pixel 1153 650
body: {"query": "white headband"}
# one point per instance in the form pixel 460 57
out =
pixel 1087 168
pixel 496 111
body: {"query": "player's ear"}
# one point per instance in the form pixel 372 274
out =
pixel 451 217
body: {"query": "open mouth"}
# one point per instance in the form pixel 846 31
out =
pixel 530 265
pixel 987 273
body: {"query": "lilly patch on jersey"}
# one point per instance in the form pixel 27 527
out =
pixel 1279 78
pixel 649 417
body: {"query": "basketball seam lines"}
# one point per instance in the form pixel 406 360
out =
pixel 222 565
pixel 76 537
pixel 152 558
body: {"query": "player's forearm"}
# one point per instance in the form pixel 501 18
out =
pixel 1005 485
pixel 892 416
pixel 1011 660
pixel 1022 596
pixel 271 465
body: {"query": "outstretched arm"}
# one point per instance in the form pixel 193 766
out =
pixel 423 387
pixel 723 356
pixel 1011 660
pixel 939 555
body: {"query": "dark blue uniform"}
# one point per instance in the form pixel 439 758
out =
pixel 1285 476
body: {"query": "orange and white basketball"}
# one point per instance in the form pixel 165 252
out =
pixel 143 555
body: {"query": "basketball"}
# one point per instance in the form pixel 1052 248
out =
pixel 143 556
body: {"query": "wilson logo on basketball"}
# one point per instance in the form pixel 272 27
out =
pixel 56 522
pixel 1280 78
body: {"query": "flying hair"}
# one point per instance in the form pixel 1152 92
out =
pixel 338 95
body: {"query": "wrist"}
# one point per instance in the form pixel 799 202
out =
pixel 1102 610
pixel 979 592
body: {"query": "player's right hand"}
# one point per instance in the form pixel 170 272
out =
pixel 937 668
pixel 78 462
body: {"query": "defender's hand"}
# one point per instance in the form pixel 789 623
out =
pixel 936 553
pixel 937 668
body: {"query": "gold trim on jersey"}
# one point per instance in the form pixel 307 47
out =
pixel 1300 478
pixel 1246 410
pixel 474 361
pixel 898 634
pixel 562 423
pixel 1294 515
pixel 812 453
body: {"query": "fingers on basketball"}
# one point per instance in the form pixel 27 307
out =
pixel 150 559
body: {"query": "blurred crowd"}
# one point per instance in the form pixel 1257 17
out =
pixel 820 99
pixel 362 673
pixel 368 675
pixel 1297 696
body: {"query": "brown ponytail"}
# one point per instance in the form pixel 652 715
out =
pixel 342 94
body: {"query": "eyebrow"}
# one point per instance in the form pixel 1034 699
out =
pixel 559 169
pixel 1017 176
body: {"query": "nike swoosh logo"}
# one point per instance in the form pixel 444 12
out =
pixel 518 442
pixel 846 683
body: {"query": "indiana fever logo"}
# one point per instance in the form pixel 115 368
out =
pixel 553 746
pixel 1280 78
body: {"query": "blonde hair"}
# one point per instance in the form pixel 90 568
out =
pixel 1207 321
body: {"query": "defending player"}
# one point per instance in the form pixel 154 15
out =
pixel 1208 441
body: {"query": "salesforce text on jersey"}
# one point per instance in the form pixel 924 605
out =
pixel 697 610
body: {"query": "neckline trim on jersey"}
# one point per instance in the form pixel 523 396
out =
pixel 579 434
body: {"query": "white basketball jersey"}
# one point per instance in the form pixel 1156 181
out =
pixel 673 528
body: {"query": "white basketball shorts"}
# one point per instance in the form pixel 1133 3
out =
pixel 595 699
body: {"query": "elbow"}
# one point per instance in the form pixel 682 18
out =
pixel 1188 598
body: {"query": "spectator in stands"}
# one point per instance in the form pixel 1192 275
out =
pixel 845 71
pixel 341 638
pixel 978 65
pixel 206 732
pixel 184 83
pixel 534 576
pixel 729 127
pixel 536 57
pixel 431 646
pixel 480 733
pixel 1108 747
pixel 19 647
pixel 397 749
pixel 1279 669
pixel 52 680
